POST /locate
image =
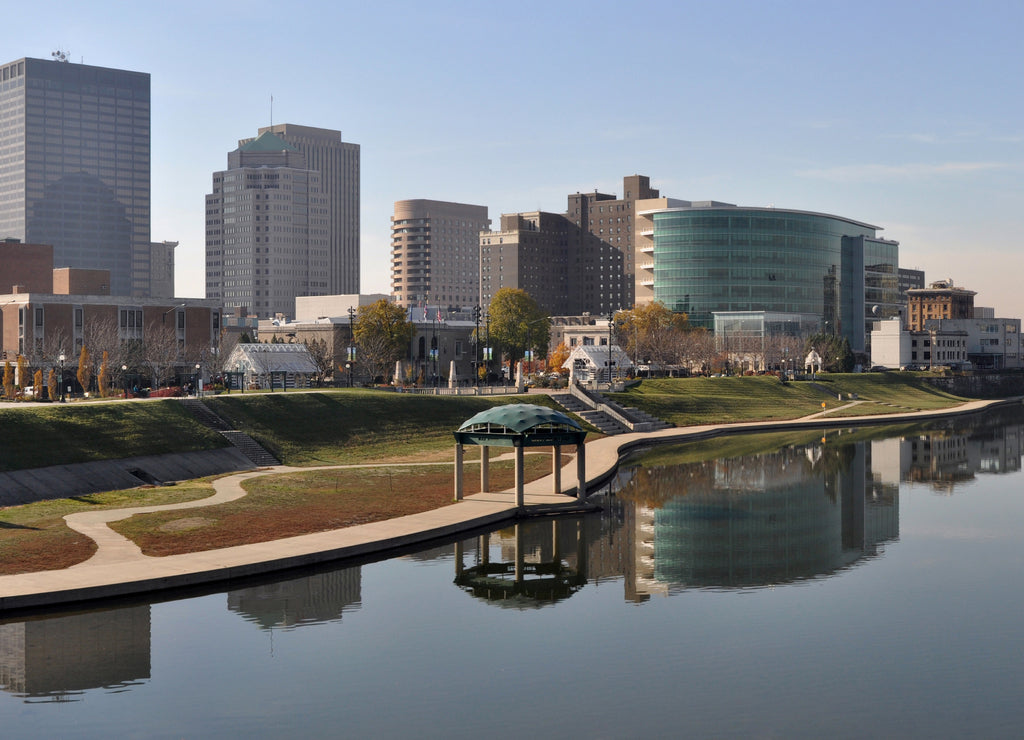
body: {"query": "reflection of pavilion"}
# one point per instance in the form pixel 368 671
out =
pixel 534 573
pixel 312 599
pixel 55 657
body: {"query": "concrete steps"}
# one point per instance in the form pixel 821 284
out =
pixel 599 419
pixel 245 444
pixel 251 448
pixel 608 424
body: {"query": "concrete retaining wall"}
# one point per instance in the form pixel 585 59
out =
pixel 982 385
pixel 61 481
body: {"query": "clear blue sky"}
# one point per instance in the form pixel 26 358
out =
pixel 907 115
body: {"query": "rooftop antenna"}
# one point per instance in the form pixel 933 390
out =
pixel 59 55
pixel 271 111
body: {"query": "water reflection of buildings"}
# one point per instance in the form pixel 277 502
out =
pixel 57 658
pixel 790 515
pixel 312 599
pixel 798 513
pixel 948 457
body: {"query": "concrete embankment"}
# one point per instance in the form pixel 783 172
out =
pixel 61 481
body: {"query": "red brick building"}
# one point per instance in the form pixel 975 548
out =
pixel 46 312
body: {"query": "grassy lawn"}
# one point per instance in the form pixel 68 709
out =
pixel 34 537
pixel 286 505
pixel 345 426
pixel 867 408
pixel 329 427
pixel 694 401
pixel 739 445
pixel 903 391
pixel 54 434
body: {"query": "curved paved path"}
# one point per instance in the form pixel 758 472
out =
pixel 119 568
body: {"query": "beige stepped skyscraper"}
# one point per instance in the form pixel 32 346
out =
pixel 337 162
pixel 267 238
pixel 435 252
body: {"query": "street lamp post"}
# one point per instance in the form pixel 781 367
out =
pixel 636 350
pixel 124 379
pixel 163 316
pixel 433 346
pixel 476 337
pixel 350 366
pixel 61 359
pixel 195 387
pixel 611 321
pixel 488 350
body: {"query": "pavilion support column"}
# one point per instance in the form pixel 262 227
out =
pixel 556 469
pixel 520 553
pixel 458 471
pixel 520 475
pixel 581 472
pixel 485 468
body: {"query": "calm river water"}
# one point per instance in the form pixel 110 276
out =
pixel 856 584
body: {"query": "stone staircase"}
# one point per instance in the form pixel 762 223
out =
pixel 245 444
pixel 590 409
pixel 637 415
pixel 604 423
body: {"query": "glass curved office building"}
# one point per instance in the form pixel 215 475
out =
pixel 704 258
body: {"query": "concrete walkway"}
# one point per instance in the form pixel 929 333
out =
pixel 120 569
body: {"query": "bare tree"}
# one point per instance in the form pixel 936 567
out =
pixel 699 350
pixel 101 335
pixel 322 358
pixel 226 345
pixel 783 351
pixel 160 352
pixel 47 354
pixel 376 354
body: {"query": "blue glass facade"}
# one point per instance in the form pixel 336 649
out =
pixel 728 258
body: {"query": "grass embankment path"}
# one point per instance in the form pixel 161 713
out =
pixel 694 401
pixel 302 429
pixel 354 427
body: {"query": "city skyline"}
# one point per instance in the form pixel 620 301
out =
pixel 879 112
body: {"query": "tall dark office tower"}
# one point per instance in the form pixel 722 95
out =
pixel 75 166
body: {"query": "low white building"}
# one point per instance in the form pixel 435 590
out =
pixel 590 362
pixel 579 331
pixel 976 343
pixel 992 343
pixel 273 366
pixel 890 344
